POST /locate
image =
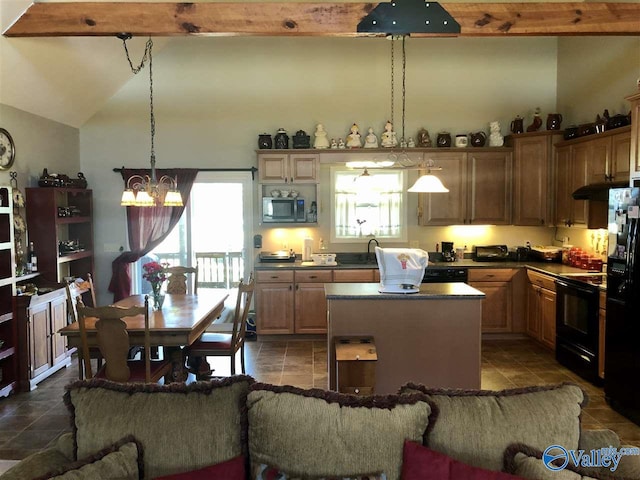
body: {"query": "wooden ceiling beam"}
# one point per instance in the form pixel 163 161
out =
pixel 313 19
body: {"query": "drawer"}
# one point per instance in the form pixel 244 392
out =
pixel 490 274
pixel 541 280
pixel 311 276
pixel 354 275
pixel 266 276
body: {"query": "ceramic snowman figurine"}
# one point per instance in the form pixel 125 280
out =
pixel 371 141
pixel 321 140
pixel 495 138
pixel 353 139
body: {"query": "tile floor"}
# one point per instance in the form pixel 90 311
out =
pixel 31 421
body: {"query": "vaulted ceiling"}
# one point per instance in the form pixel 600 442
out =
pixel 71 63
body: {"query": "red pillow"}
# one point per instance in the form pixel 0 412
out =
pixel 422 463
pixel 230 470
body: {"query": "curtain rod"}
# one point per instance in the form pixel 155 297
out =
pixel 253 170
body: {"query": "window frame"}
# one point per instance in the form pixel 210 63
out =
pixel 404 215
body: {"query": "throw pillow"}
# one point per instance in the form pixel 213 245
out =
pixel 527 461
pixel 230 470
pixel 422 463
pixel 181 427
pixel 476 426
pixel 266 472
pixel 120 461
pixel 316 433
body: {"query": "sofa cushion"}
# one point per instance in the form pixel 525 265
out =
pixel 476 426
pixel 181 427
pixel 316 433
pixel 422 463
pixel 527 462
pixel 233 469
pixel 120 461
pixel 37 465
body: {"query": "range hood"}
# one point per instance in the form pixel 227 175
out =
pixel 597 191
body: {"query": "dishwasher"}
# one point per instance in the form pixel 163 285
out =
pixel 444 275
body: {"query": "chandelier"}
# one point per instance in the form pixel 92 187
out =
pixel 149 190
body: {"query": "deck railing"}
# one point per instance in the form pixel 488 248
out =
pixel 215 269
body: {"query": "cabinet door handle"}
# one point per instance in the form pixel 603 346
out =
pixel 542 221
pixel 313 276
pixel 290 287
pixel 274 276
pixel 297 287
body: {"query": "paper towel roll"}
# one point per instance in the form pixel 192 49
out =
pixel 307 249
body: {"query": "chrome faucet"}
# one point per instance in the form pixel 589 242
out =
pixel 369 247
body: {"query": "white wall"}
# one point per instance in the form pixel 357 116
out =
pixel 213 96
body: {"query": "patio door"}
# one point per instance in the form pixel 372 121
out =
pixel 214 233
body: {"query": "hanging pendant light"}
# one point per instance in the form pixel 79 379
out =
pixel 429 183
pixel 148 190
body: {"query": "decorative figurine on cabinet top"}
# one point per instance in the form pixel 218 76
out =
pixel 411 143
pixel 321 140
pixel 353 139
pixel 341 144
pixel 334 144
pixel 389 136
pixel 371 141
pixel 495 137
pixel 537 121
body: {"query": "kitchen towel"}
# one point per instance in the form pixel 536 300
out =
pixel 401 269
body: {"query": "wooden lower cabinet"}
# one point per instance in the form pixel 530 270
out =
pixel 293 301
pixel 497 307
pixel 310 301
pixel 541 309
pixel 42 350
pixel 275 299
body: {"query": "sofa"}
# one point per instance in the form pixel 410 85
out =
pixel 236 428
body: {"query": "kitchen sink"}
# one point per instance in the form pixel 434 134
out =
pixel 356 258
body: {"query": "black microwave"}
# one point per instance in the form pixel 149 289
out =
pixel 283 210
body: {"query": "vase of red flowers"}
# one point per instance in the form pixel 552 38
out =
pixel 155 274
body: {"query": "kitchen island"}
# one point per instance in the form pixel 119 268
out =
pixel 431 337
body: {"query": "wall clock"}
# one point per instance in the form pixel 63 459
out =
pixel 7 150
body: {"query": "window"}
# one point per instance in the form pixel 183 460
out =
pixel 368 205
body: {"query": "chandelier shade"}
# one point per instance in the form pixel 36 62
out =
pixel 428 184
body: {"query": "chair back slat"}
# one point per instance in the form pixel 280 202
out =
pixel 243 304
pixel 112 337
pixel 177 281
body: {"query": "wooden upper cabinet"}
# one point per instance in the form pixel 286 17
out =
pixel 489 188
pixel 446 208
pixel 571 173
pixel 288 167
pixel 634 156
pixel 564 202
pixel 598 157
pixel 620 155
pixel 533 177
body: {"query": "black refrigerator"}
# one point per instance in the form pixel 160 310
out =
pixel 622 334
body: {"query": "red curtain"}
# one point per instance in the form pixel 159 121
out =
pixel 147 227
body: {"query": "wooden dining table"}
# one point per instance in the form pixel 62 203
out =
pixel 180 322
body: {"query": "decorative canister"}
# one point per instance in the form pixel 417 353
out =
pixel 553 121
pixel 478 139
pixel 265 141
pixel 462 141
pixel 444 139
pixel 282 139
pixel 517 125
pixel 301 140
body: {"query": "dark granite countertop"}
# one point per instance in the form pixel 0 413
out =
pixel 428 291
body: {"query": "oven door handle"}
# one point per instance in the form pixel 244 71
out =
pixel 575 287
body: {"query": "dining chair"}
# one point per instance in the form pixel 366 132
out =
pixel 72 290
pixel 224 344
pixel 113 340
pixel 177 281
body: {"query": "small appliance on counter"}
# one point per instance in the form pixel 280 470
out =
pixel 307 249
pixel 448 252
pixel 491 253
pixel 278 257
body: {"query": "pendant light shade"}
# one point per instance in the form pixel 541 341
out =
pixel 428 184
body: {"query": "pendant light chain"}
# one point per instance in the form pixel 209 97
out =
pixel 147 56
pixel 404 81
pixel 392 79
